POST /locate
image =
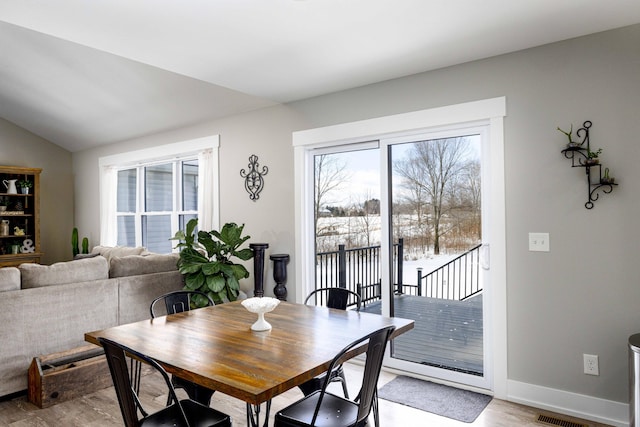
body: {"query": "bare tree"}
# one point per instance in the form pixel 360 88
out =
pixel 330 174
pixel 367 214
pixel 470 184
pixel 434 167
pixel 415 228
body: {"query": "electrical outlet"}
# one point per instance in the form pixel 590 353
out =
pixel 591 364
pixel 539 242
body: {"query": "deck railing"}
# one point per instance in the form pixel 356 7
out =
pixel 358 269
pixel 457 280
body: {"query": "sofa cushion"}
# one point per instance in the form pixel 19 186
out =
pixel 82 270
pixel 9 279
pixel 120 251
pixel 133 265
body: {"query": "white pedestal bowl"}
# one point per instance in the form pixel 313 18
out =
pixel 260 306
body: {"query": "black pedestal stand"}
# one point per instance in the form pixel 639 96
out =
pixel 280 275
pixel 258 268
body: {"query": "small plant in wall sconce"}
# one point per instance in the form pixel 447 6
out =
pixel 571 143
pixel 253 178
pixel 592 156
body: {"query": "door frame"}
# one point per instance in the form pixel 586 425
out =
pixel 493 111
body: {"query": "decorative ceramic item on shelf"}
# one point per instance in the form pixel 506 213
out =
pixel 260 306
pixel 10 185
pixel 27 246
pixel 4 227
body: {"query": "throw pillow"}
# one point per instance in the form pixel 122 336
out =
pixel 82 270
pixel 9 279
pixel 118 251
pixel 133 265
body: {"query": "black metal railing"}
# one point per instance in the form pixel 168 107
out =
pixel 458 279
pixel 358 269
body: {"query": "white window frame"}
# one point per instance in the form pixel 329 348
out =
pixel 140 212
pixel 208 181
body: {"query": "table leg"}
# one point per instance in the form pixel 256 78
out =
pixel 253 414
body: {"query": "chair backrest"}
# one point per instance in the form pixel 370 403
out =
pixel 116 355
pixel 335 297
pixel 178 301
pixel 373 364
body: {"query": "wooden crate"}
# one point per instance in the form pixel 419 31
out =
pixel 62 376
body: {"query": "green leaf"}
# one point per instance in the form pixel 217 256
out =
pixel 233 284
pixel 244 254
pixel 227 269
pixel 239 272
pixel 211 268
pixel 216 283
pixel 194 281
pixel 198 301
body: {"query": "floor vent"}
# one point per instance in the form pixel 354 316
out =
pixel 555 421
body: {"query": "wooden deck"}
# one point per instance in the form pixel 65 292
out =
pixel 446 334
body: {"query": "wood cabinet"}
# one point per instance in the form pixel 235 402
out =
pixel 19 216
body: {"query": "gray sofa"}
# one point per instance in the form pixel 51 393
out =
pixel 47 309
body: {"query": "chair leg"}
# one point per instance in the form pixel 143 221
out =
pixel 194 391
pixel 343 380
pixel 376 415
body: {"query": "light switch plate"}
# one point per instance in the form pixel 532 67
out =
pixel 539 242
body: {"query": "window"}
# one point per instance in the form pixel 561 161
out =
pixel 154 201
pixel 148 195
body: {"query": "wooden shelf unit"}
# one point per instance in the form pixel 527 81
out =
pixel 23 211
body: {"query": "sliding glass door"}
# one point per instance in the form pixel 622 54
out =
pixel 432 210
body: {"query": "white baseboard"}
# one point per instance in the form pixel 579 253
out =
pixel 573 404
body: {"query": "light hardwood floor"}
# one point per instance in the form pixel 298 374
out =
pixel 100 409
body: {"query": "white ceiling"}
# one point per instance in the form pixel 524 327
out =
pixel 84 73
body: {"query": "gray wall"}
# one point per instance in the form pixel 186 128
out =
pixel 582 297
pixel 21 148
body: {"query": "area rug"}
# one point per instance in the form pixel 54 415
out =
pixel 450 402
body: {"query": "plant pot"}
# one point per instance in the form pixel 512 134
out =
pixel 591 162
pixel 15 249
pixel 24 190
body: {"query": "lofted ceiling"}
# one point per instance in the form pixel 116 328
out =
pixel 85 73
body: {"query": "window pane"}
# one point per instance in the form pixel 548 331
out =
pixel 184 219
pixel 190 185
pixel 159 188
pixel 156 232
pixel 126 190
pixel 126 231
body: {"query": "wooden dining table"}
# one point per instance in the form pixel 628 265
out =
pixel 216 348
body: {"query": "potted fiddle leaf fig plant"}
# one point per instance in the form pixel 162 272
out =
pixel 206 261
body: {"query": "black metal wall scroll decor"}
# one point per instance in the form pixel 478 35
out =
pixel 582 157
pixel 253 178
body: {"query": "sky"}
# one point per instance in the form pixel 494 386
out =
pixel 364 167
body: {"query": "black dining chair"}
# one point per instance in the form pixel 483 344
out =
pixel 179 413
pixel 322 408
pixel 338 298
pixel 177 302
